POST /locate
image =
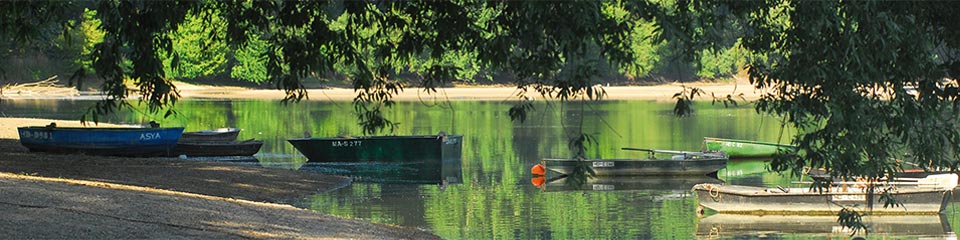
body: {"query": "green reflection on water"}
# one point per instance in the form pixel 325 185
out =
pixel 495 197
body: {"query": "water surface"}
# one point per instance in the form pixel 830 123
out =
pixel 493 196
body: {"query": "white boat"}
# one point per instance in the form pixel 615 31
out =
pixel 927 195
pixel 212 135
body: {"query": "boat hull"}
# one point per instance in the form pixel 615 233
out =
pixel 627 183
pixel 395 149
pixel 758 200
pixel 101 141
pixel 745 149
pixel 209 149
pixel 639 167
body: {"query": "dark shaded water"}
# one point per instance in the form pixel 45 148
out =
pixel 492 195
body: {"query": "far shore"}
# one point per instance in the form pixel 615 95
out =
pixel 739 89
pixel 663 92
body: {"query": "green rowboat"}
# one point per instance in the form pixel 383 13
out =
pixel 390 149
pixel 744 148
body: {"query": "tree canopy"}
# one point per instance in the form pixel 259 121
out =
pixel 868 82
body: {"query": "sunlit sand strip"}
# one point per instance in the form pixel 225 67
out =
pixel 139 189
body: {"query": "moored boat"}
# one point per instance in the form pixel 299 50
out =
pixel 683 163
pixel 745 149
pixel 424 148
pixel 212 135
pixel 101 141
pixel 626 183
pixel 207 149
pixel 924 196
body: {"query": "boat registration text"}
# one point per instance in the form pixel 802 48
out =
pixel 346 143
pixel 849 198
pixel 37 135
pixel 603 164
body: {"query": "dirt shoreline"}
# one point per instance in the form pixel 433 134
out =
pixel 663 92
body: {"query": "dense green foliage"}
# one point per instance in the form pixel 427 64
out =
pixel 199 45
pixel 843 72
pixel 196 49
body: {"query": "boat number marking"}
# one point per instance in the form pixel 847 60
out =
pixel 849 197
pixel 149 136
pixel 732 144
pixel 841 229
pixel 602 164
pixel 603 187
pixel 38 135
pixel 346 143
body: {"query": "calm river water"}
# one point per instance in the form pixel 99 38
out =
pixel 492 197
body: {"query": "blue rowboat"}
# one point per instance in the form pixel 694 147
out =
pixel 101 141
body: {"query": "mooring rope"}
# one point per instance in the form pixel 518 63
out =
pixel 714 192
pixel 714 232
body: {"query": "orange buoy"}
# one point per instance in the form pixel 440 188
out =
pixel 538 181
pixel 538 170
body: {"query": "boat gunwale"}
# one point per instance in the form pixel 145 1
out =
pixel 371 137
pixel 754 191
pixel 210 132
pixel 714 139
pixel 230 143
pixel 699 159
pixel 79 129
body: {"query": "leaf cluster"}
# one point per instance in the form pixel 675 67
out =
pixel 869 84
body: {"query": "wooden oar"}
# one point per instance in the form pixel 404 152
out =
pixel 665 151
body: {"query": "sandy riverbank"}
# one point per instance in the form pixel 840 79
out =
pixel 662 92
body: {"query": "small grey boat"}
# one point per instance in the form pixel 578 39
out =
pixel 681 163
